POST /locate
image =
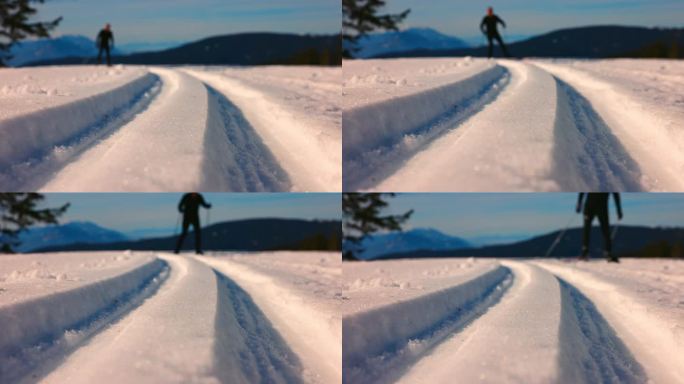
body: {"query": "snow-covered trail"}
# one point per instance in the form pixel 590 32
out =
pixel 170 129
pixel 546 127
pixel 213 319
pixel 555 323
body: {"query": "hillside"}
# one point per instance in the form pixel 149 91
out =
pixel 244 235
pixel 629 241
pixel 581 42
pixel 235 49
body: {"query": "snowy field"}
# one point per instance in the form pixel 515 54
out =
pixel 529 321
pixel 125 317
pixel 134 128
pixel 464 124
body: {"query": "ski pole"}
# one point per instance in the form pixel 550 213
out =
pixel 175 229
pixel 615 231
pixel 560 236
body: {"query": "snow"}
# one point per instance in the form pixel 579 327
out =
pixel 239 318
pixel 554 321
pixel 550 125
pixel 131 128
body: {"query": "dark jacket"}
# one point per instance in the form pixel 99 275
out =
pixel 190 203
pixel 489 24
pixel 103 39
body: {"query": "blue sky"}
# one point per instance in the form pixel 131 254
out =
pixel 135 21
pixel 530 17
pixel 471 215
pixel 129 211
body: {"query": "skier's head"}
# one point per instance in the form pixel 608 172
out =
pixel 108 27
pixel 490 11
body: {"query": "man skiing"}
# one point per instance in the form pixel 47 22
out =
pixel 189 206
pixel 103 43
pixel 595 205
pixel 488 26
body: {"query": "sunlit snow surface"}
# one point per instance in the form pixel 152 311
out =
pixel 132 128
pixel 116 317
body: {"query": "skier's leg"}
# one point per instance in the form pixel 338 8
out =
pixel 198 236
pixel 99 55
pixel 586 232
pixel 502 45
pixel 181 238
pixel 491 46
pixel 605 232
pixel 109 59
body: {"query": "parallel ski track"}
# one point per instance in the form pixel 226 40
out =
pixel 538 133
pixel 231 338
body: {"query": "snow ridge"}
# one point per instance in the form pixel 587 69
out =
pixel 379 344
pixel 35 330
pixel 388 132
pixel 57 134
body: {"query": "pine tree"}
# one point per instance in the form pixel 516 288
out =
pixel 19 211
pixel 361 214
pixel 15 25
pixel 360 17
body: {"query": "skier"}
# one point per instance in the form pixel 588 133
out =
pixel 488 26
pixel 596 204
pixel 102 42
pixel 189 206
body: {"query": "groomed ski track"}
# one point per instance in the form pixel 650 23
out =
pixel 550 324
pixel 517 126
pixel 170 129
pixel 205 320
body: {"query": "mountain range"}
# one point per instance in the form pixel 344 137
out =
pixel 635 241
pixel 404 41
pixel 580 42
pixel 69 233
pixel 29 51
pixel 415 239
pixel 234 49
pixel 244 235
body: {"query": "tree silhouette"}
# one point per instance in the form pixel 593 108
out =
pixel 19 211
pixel 361 215
pixel 359 17
pixel 15 25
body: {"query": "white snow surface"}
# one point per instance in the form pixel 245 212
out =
pixel 537 125
pixel 546 321
pixel 132 128
pixel 229 318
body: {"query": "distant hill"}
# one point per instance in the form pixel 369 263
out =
pixel 245 235
pixel 629 241
pixel 403 41
pixel 70 233
pixel 415 239
pixel 581 42
pixel 28 51
pixel 236 49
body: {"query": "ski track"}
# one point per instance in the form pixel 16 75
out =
pixel 194 309
pixel 551 325
pixel 167 130
pixel 549 128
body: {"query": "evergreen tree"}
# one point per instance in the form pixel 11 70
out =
pixel 19 211
pixel 360 17
pixel 361 214
pixel 15 25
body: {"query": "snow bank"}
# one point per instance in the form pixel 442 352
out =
pixel 32 325
pixel 372 336
pixel 30 136
pixel 368 126
pixel 396 128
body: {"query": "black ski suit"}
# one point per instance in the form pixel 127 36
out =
pixel 103 43
pixel 488 26
pixel 189 206
pixel 596 205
